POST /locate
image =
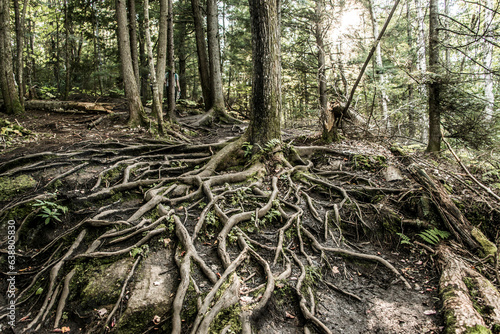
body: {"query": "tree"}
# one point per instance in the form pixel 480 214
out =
pixel 133 41
pixel 488 57
pixel 19 22
pixel 327 118
pixel 201 48
pixel 137 116
pixel 157 105
pixel 434 143
pixel 171 63
pixel 214 58
pixel 266 89
pixel 10 94
pixel 380 66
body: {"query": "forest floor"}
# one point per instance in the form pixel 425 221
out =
pixel 78 162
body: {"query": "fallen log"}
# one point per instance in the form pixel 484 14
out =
pixel 471 304
pixel 452 217
pixel 64 106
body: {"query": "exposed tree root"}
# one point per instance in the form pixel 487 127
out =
pixel 267 222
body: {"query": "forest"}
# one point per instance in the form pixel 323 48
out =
pixel 260 166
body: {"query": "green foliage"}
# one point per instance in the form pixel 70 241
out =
pixel 39 291
pixel 405 240
pixel 433 236
pixel 13 186
pixel 50 211
pixel 247 148
pixel 143 251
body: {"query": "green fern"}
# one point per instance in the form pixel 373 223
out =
pixel 405 240
pixel 433 236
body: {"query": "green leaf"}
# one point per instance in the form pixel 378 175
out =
pixel 39 291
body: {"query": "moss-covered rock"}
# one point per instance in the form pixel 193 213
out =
pixel 104 284
pixel 11 187
pixel 151 294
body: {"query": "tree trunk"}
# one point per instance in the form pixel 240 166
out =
pixel 327 118
pixel 19 21
pixel 161 62
pixel 488 57
pixel 183 56
pixel 137 116
pixel 380 67
pixel 412 116
pixel 266 89
pixel 133 41
pixel 157 109
pixel 67 48
pixel 214 58
pixel 171 63
pixel 201 48
pixel 434 144
pixel 10 94
pixel 422 66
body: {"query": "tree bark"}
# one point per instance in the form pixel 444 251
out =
pixel 488 58
pixel 201 48
pixel 19 22
pixel 161 62
pixel 10 94
pixel 171 63
pixel 157 109
pixel 327 118
pixel 384 100
pixel 214 58
pixel 422 66
pixel 133 41
pixel 434 143
pixel 137 116
pixel 266 88
pixel 67 48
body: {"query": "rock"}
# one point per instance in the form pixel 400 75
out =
pixel 152 293
pixel 104 284
pixel 391 173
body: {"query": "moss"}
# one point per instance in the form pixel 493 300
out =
pixel 226 317
pixel 487 247
pixel 368 162
pixel 478 329
pixel 12 187
pixel 137 321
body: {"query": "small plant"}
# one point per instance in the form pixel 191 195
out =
pixel 405 240
pixel 433 236
pixel 143 251
pixel 247 148
pixel 50 211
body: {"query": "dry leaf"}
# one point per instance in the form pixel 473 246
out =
pixel 335 270
pixel 288 315
pixel 156 319
pixel 430 312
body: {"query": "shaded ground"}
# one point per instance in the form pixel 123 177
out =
pixel 349 295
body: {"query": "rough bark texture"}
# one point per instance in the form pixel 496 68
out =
pixel 201 48
pixel 133 41
pixel 380 66
pixel 214 57
pixel 171 63
pixel 157 109
pixel 489 96
pixel 470 301
pixel 161 62
pixel 137 116
pixel 266 90
pixel 9 90
pixel 327 118
pixel 19 21
pixel 434 144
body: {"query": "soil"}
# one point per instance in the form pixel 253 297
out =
pixel 368 298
